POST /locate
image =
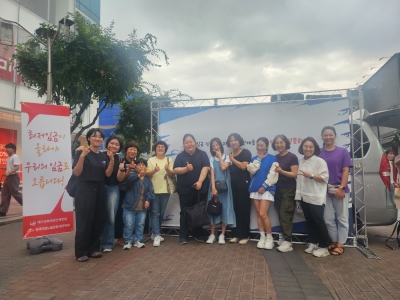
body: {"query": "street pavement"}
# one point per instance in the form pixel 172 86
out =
pixel 195 271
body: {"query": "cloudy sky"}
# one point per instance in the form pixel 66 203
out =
pixel 239 48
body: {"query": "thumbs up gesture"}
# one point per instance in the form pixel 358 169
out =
pixel 157 168
pixel 189 167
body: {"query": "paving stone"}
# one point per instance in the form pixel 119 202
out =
pixel 46 296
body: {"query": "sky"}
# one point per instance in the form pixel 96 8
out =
pixel 240 48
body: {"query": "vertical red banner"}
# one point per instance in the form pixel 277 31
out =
pixel 46 142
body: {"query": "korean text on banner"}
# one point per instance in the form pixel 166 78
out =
pixel 46 144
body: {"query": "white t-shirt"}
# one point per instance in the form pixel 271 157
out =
pixel 310 190
pixel 225 158
pixel 13 161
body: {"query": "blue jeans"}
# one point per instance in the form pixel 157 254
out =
pixel 158 206
pixel 133 221
pixel 336 216
pixel 112 200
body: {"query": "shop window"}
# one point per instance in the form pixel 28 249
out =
pixel 6 34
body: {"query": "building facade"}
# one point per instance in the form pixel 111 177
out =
pixel 29 13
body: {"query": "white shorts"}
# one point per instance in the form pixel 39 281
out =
pixel 266 196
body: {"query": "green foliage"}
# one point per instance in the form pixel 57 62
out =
pixel 135 117
pixel 93 66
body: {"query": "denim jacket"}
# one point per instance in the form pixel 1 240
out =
pixel 133 189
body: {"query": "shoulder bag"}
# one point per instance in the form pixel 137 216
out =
pixel 196 215
pixel 220 185
pixel 214 207
pixel 71 185
pixel 171 182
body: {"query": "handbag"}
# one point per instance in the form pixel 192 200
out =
pixel 171 182
pixel 214 207
pixel 196 215
pixel 220 185
pixel 71 185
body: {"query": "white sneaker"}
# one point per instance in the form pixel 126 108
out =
pixel 211 239
pixel 221 239
pixel 127 246
pixel 310 248
pixel 321 252
pixel 157 241
pixel 261 242
pixel 161 238
pixel 269 243
pixel 285 246
pixel 107 250
pixel 139 245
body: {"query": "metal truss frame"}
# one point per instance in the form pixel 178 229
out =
pixel 356 102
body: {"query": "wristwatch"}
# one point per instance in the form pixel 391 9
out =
pixel 312 176
pixel 342 187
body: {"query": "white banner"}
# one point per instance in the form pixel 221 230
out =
pixel 295 119
pixel 46 144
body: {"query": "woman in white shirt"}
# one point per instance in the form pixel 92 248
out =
pixel 311 188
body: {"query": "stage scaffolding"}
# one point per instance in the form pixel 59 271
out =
pixel 356 103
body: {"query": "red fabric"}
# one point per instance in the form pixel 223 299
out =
pixel 384 168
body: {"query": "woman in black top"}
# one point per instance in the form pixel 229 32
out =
pixel 240 179
pixel 191 167
pixel 91 166
pixel 111 185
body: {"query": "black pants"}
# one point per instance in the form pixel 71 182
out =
pixel 10 188
pixel 316 227
pixel 189 200
pixel 242 207
pixel 90 214
pixel 119 223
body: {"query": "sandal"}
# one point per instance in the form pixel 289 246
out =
pixel 96 255
pixel 83 259
pixel 121 242
pixel 332 246
pixel 337 251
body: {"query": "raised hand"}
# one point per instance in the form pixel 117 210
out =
pixel 142 174
pixel 278 169
pixel 85 151
pixel 121 166
pixel 305 174
pixel 218 154
pixel 109 154
pixel 261 155
pixel 231 157
pixel 166 167
pixel 132 165
pixel 157 168
pixel 189 167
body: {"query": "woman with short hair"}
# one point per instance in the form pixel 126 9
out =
pixel 91 167
pixel 240 179
pixel 111 185
pixel 191 167
pixel 158 167
pixel 336 213
pixel 285 189
pixel 311 190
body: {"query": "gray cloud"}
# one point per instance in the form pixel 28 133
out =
pixel 234 48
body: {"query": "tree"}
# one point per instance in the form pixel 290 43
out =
pixel 135 116
pixel 93 66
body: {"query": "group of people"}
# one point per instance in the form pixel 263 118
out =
pixel 114 194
